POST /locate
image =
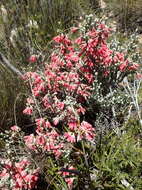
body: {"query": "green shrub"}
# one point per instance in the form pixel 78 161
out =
pixel 118 160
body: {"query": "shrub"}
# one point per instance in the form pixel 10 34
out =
pixel 25 29
pixel 69 92
pixel 118 159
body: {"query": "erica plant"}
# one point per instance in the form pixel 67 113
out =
pixel 69 90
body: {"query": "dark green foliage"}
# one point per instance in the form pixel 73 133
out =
pixel 118 160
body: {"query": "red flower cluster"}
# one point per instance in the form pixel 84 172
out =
pixel 46 140
pixel 68 177
pixel 59 92
pixel 18 174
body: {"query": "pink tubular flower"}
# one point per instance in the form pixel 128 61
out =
pixel 32 58
pixel 81 110
pixel 72 57
pixel 58 39
pixel 122 67
pixel 139 76
pixel 30 101
pixel 40 122
pixel 4 173
pixel 120 56
pixel 62 39
pixel 47 124
pixel 69 180
pixel 28 111
pixel 56 121
pixel 74 29
pixel 40 140
pixel 87 130
pixel 72 125
pixel 30 141
pixel 15 128
pixel 70 137
pixel 61 105
pixel 133 67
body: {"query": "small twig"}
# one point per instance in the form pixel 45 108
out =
pixel 5 62
pixel 133 93
pixel 73 171
pixel 85 157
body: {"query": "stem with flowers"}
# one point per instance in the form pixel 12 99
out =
pixel 79 82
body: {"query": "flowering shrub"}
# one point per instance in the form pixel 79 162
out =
pixel 67 94
pixel 17 175
pixel 17 170
pixel 82 77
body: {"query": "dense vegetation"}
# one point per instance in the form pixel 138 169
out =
pixel 71 90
